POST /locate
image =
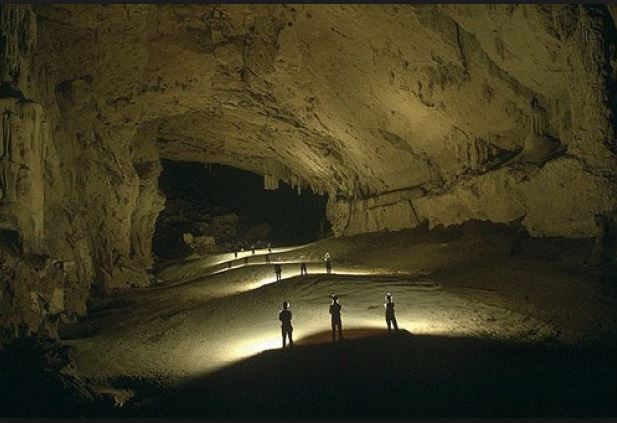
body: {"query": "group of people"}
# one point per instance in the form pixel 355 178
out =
pixel 268 246
pixel 278 268
pixel 246 258
pixel 303 268
pixel 285 316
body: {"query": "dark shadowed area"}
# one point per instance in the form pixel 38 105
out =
pixel 373 374
pixel 232 206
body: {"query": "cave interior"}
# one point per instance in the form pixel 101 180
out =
pixel 172 174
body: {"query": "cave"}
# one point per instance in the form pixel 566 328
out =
pixel 308 210
pixel 230 209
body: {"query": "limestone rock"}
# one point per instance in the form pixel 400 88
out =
pixel 203 244
pixel 490 112
pixel 24 134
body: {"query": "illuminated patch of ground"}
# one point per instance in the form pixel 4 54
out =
pixel 447 285
pixel 209 322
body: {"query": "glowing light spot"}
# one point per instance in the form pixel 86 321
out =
pixel 257 345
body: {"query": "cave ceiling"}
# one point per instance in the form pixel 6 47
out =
pixel 356 99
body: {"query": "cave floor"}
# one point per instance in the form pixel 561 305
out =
pixel 205 323
pixel 208 317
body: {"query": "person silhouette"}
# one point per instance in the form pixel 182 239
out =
pixel 390 317
pixel 235 254
pixel 269 247
pixel 277 270
pixel 286 328
pixel 267 258
pixel 252 248
pixel 335 313
pixel 303 270
pixel 326 259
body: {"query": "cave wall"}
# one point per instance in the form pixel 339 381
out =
pixel 561 177
pixel 559 199
pixel 82 204
pixel 402 114
pixel 37 289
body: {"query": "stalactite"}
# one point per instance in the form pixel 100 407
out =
pixel 24 136
pixel 271 182
pixel 18 28
pixel 538 118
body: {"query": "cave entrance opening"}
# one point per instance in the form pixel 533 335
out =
pixel 213 208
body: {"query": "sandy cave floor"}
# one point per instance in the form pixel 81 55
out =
pixel 212 321
pixel 207 316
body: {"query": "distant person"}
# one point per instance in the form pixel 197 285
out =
pixel 328 263
pixel 252 248
pixel 269 247
pixel 390 317
pixel 267 258
pixel 235 254
pixel 277 271
pixel 286 328
pixel 303 270
pixel 335 313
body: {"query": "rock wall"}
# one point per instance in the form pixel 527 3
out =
pixel 400 113
pixel 387 212
pixel 559 199
pixel 77 208
pixel 561 177
pixel 22 155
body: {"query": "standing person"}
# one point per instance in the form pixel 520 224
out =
pixel 335 313
pixel 303 270
pixel 269 247
pixel 267 258
pixel 390 317
pixel 286 328
pixel 252 248
pixel 326 259
pixel 277 270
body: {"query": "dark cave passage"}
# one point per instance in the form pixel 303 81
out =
pixel 227 209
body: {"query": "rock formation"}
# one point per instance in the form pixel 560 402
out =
pixel 401 114
pixel 22 155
